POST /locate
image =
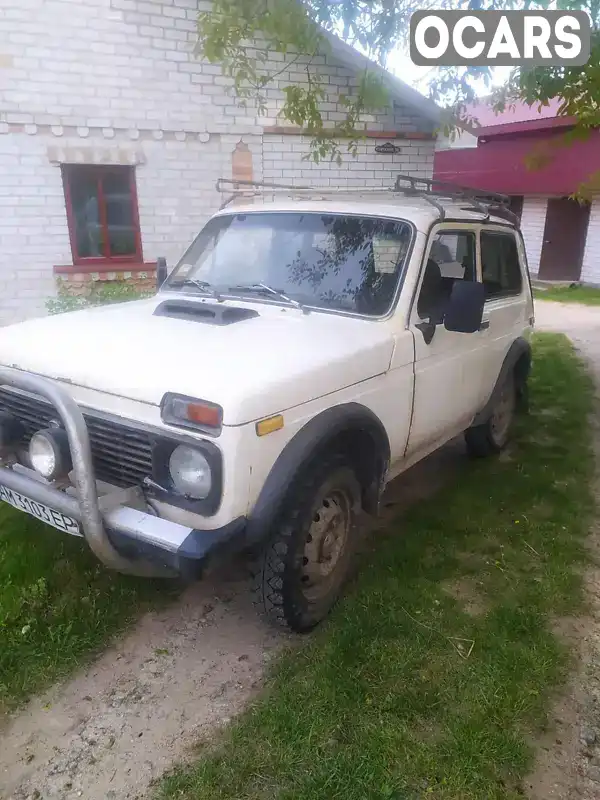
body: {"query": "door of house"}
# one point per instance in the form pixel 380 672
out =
pixel 564 239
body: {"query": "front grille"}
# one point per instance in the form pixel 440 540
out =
pixel 122 455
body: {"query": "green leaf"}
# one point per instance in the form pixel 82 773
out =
pixel 240 34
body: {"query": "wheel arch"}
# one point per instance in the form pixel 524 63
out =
pixel 518 361
pixel 350 428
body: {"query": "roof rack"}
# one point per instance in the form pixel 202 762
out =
pixel 486 203
pixel 245 188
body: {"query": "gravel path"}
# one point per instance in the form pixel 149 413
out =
pixel 144 703
pixel 183 672
pixel 174 679
pixel 568 763
pixel 581 323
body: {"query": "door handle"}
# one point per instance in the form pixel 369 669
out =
pixel 485 324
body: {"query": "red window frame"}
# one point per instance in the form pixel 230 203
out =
pixel 98 172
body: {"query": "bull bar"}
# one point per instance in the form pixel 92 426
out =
pixel 85 506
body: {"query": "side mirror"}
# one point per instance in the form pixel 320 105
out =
pixel 161 271
pixel 464 311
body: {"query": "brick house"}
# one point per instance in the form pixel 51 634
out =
pixel 113 134
pixel 523 153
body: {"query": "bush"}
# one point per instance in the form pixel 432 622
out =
pixel 101 293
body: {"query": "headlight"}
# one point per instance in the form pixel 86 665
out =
pixel 49 453
pixel 190 472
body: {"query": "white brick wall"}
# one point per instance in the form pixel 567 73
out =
pixel 104 74
pixel 284 159
pixel 460 141
pixel 533 220
pixel 129 63
pixel 590 268
pixel 176 190
pixel 33 226
pixel 176 194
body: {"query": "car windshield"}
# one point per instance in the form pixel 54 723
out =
pixel 330 261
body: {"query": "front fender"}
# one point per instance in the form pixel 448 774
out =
pixel 306 445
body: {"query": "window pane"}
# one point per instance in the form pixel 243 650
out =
pixel 333 261
pixel 86 212
pixel 500 264
pixel 454 253
pixel 451 258
pixel 118 200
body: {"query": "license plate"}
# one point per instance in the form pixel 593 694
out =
pixel 38 510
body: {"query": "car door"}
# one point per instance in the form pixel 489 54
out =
pixel 448 365
pixel 508 308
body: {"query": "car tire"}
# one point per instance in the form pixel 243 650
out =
pixel 299 575
pixel 492 436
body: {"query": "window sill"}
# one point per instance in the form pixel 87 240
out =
pixel 103 269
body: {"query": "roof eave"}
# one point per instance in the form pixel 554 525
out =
pixel 526 126
pixel 399 90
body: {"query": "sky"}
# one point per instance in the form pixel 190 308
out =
pixel 400 64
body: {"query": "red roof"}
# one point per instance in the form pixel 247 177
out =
pixel 503 163
pixel 485 114
pixel 521 117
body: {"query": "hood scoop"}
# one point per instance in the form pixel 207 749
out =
pixel 210 314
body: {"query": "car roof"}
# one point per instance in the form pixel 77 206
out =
pixel 421 212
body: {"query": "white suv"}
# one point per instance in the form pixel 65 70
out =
pixel 303 353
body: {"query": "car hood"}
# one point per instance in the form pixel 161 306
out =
pixel 252 368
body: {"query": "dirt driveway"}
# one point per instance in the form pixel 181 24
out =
pixel 182 673
pixel 581 323
pixel 178 676
pixel 568 764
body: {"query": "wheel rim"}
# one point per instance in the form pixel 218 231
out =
pixel 503 413
pixel 325 543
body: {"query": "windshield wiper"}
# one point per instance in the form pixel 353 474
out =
pixel 204 286
pixel 263 288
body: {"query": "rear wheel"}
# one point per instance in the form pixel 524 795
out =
pixel 299 575
pixel 492 436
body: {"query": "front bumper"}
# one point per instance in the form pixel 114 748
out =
pixel 123 536
pixel 189 550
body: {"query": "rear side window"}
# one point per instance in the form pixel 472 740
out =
pixel 501 271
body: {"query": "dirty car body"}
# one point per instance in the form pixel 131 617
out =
pixel 170 429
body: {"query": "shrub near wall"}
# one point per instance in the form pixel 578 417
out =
pixel 100 293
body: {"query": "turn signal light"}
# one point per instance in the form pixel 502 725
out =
pixel 187 412
pixel 204 414
pixel 269 425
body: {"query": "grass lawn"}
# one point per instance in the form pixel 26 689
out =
pixel 58 605
pixel 565 294
pixel 439 666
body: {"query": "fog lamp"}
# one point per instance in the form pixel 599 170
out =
pixel 49 453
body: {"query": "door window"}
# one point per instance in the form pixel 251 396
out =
pixel 501 270
pixel 451 258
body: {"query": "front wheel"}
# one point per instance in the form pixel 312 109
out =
pixel 492 436
pixel 299 575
